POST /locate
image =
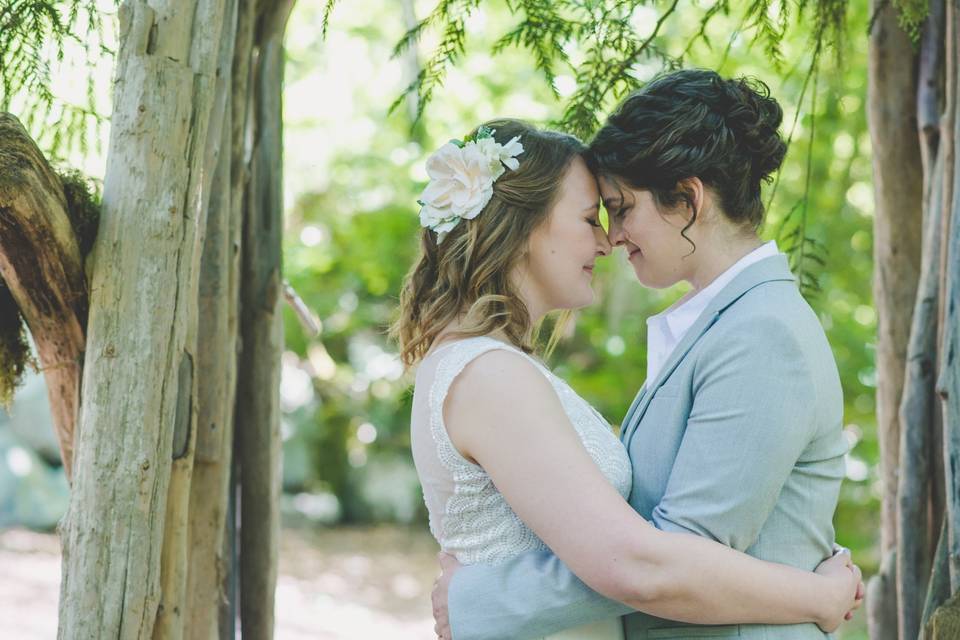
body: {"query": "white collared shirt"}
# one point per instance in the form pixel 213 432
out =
pixel 665 330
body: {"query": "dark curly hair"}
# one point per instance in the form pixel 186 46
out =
pixel 694 123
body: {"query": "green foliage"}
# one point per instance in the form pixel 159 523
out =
pixel 609 51
pixel 452 15
pixel 83 206
pixel 912 13
pixel 14 349
pixel 34 34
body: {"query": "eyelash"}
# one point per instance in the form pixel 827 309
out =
pixel 593 222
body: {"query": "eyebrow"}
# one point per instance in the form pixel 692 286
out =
pixel 610 203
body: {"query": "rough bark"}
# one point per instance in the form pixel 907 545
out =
pixel 898 180
pixel 948 384
pixel 945 622
pixel 240 130
pixel 216 358
pixel 138 382
pixel 261 333
pixel 197 495
pixel 938 589
pixel 41 264
pixel 919 420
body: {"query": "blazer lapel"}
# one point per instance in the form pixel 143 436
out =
pixel 772 269
pixel 637 399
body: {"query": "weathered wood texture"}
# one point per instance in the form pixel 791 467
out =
pixel 898 180
pixel 217 360
pixel 137 405
pixel 41 264
pixel 919 420
pixel 197 495
pixel 948 384
pixel 945 622
pixel 261 333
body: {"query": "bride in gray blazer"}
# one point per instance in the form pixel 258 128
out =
pixel 737 433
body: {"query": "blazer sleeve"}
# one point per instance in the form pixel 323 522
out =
pixel 753 413
pixel 529 596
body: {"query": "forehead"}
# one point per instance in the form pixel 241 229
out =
pixel 578 181
pixel 611 190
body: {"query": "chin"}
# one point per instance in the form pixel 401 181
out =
pixel 584 300
pixel 651 281
pixel 574 300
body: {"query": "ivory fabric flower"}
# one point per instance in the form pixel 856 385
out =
pixel 461 180
pixel 501 154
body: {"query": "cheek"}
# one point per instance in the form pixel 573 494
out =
pixel 655 233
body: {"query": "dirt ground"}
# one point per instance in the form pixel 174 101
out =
pixel 334 584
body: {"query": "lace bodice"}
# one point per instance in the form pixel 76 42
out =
pixel 468 516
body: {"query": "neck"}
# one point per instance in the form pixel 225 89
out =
pixel 721 257
pixel 531 300
pixel 455 325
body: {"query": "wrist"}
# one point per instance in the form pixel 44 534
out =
pixel 828 595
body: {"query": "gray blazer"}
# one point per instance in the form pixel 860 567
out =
pixel 738 439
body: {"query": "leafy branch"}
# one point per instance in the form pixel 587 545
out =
pixel 33 35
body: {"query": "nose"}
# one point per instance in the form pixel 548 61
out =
pixel 615 235
pixel 603 244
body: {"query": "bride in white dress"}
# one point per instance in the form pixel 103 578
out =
pixel 512 233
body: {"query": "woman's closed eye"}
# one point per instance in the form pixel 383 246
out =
pixel 593 222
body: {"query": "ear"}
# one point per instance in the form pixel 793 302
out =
pixel 696 196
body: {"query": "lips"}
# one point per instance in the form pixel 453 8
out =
pixel 589 269
pixel 635 252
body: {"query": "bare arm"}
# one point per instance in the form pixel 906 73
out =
pixel 531 451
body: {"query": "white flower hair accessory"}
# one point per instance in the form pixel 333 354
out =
pixel 461 179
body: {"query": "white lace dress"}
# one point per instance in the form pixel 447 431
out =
pixel 469 518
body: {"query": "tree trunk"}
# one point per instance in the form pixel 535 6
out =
pixel 41 264
pixel 261 333
pixel 920 490
pixel 216 353
pixel 919 421
pixel 137 411
pixel 898 181
pixel 948 384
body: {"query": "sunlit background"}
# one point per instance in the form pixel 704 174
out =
pixel 357 560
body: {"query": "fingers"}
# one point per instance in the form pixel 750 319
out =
pixel 844 556
pixel 438 598
pixel 858 594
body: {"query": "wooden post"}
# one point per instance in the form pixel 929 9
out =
pixel 898 179
pixel 138 378
pixel 261 334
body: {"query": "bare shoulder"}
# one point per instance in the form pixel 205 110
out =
pixel 497 390
pixel 497 374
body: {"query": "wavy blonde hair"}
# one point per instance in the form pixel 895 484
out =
pixel 467 276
